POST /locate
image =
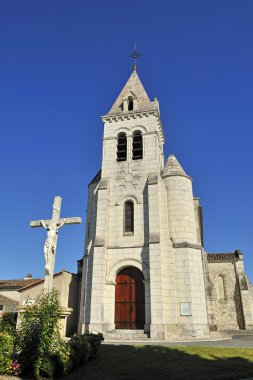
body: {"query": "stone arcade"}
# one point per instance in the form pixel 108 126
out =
pixel 145 270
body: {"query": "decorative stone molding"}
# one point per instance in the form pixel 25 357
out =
pixel 185 244
pixel 111 283
pixel 103 184
pixel 124 246
pixel 165 175
pixel 121 129
pixel 126 197
pixel 152 179
pixel 126 263
pixel 128 177
pixel 126 130
pixel 99 242
pixel 138 128
pixel 154 238
pixel 135 115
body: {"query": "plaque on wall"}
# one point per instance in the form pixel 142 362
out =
pixel 185 308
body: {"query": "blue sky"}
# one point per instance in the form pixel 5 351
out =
pixel 62 65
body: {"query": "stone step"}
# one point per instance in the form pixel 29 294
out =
pixel 239 332
pixel 126 335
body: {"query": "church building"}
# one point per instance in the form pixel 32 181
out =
pixel 145 270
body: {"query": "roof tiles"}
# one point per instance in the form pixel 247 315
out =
pixel 16 284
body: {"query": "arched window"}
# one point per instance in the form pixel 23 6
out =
pixel 137 145
pixel 129 217
pixel 122 147
pixel 221 288
pixel 130 103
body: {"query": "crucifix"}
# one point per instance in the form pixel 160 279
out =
pixel 52 226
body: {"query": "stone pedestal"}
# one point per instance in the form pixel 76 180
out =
pixel 65 313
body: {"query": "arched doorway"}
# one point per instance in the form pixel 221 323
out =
pixel 129 299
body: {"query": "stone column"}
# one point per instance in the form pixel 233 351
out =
pixel 82 315
pixel 97 270
pixel 157 330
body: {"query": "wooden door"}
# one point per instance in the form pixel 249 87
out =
pixel 129 299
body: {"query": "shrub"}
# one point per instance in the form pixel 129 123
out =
pixel 38 335
pixel 8 323
pixel 65 355
pixel 52 366
pixel 6 349
pixel 95 342
pixel 79 350
pixel 39 352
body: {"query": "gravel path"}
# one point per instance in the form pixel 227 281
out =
pixel 243 341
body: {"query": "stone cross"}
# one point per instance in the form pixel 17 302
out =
pixel 52 226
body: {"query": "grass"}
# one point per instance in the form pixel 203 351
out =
pixel 172 363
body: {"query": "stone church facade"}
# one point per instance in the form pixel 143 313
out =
pixel 145 270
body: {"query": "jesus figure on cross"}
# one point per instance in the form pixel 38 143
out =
pixel 50 243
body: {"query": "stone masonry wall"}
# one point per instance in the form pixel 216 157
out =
pixel 12 294
pixel 251 296
pixel 228 312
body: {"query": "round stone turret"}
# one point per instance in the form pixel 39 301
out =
pixel 173 168
pixel 182 223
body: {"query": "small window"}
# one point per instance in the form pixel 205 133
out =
pixel 1 307
pixel 129 218
pixel 121 147
pixel 221 288
pixel 130 104
pixel 137 145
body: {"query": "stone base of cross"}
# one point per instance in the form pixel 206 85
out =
pixel 52 226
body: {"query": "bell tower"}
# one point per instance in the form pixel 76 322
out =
pixel 133 133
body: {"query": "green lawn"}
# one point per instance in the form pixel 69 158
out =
pixel 172 363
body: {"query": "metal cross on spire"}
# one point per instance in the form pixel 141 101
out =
pixel 134 55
